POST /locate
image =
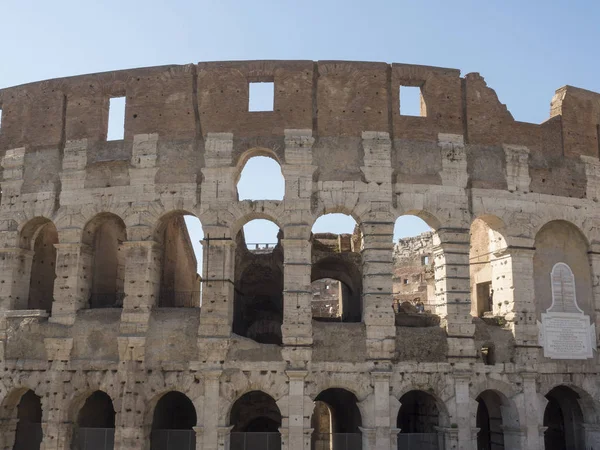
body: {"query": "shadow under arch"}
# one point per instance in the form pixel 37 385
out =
pixel 95 419
pixel 336 420
pixel 255 419
pixel 179 279
pixel 40 236
pixel 495 414
pixel 420 416
pixel 24 406
pixel 568 410
pixel 173 420
pixel 105 234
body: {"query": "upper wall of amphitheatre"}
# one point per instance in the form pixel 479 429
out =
pixel 337 100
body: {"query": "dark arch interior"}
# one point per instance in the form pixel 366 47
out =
pixel 345 415
pixel 174 411
pixel 342 267
pixel 255 412
pixel 43 273
pixel 489 422
pixel 258 299
pixel 563 418
pixel 97 412
pixel 418 413
pixel 28 435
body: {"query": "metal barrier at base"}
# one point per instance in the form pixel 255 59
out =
pixel 94 439
pixel 255 441
pixel 173 440
pixel 337 441
pixel 419 441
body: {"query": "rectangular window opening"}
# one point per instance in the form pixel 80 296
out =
pixel 116 119
pixel 412 102
pixel 261 96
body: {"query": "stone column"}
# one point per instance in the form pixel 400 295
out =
pixel 369 436
pixel 448 437
pixel 216 314
pixel 56 426
pixel 592 435
pixel 15 267
pixel 515 438
pixel 518 290
pixel 594 256
pixel 8 429
pixel 72 284
pixel 377 268
pixel 296 427
pixel 223 437
pixel 142 285
pixel 131 430
pixel 383 425
pixel 453 291
pixel 212 438
pixel 530 412
pixel 394 438
pixel 467 436
pixel 199 431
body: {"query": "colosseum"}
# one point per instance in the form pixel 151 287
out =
pixel 110 340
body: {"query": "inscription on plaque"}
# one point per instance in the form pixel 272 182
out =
pixel 565 331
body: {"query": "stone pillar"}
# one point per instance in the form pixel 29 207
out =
pixel 453 291
pixel 12 177
pixel 297 294
pixel 518 290
pixel 592 172
pixel 383 425
pixel 15 267
pixel 212 438
pixel 298 171
pixel 515 438
pixel 142 285
pixel 223 437
pixel 131 430
pixel 448 437
pixel 530 411
pixel 394 438
pixel 594 256
pixel 199 431
pixel 377 269
pixel 369 438
pixel 216 314
pixel 8 429
pixel 56 425
pixel 592 435
pixel 72 284
pixel 296 426
pixel 467 436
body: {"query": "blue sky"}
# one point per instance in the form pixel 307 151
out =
pixel 524 49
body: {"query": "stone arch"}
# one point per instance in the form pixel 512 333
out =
pixel 104 234
pixel 94 419
pixel 559 241
pixel 39 235
pixel 179 279
pixel 173 420
pixel 255 419
pixel 243 219
pixel 487 262
pixel 411 398
pixel 495 414
pixel 242 176
pixel 337 410
pixel 21 417
pixel 568 410
pixel 258 296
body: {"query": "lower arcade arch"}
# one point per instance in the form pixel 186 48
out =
pixel 495 415
pixel 95 424
pixel 418 421
pixel 564 420
pixel 28 433
pixel 255 419
pixel 173 423
pixel 336 421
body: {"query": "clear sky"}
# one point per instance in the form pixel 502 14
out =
pixel 525 49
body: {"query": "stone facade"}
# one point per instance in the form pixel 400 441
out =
pixel 96 351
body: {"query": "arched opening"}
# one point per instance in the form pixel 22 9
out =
pixel 489 421
pixel 258 300
pixel 179 280
pixel 95 425
pixel 486 265
pixel 28 435
pixel 173 422
pixel 40 235
pixel 562 242
pixel 256 419
pixel 563 419
pixel 336 421
pixel 418 419
pixel 261 179
pixel 336 273
pixel 105 234
pixel 413 275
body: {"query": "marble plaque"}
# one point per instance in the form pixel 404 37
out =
pixel 567 336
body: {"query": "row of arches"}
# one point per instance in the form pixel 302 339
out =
pixel 256 419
